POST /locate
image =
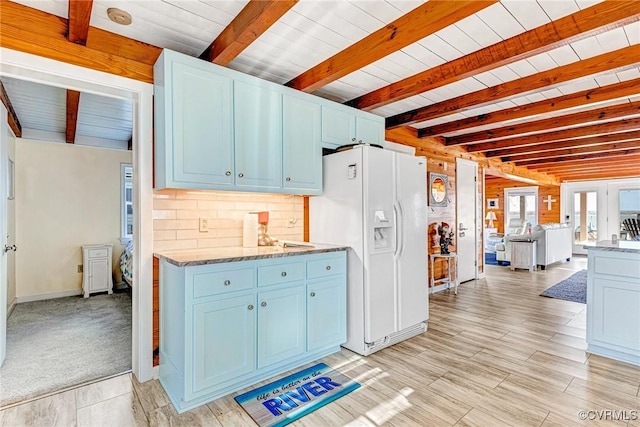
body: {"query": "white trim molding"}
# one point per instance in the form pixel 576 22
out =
pixel 37 69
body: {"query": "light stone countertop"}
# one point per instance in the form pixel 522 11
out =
pixel 191 257
pixel 628 246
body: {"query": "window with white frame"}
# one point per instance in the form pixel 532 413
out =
pixel 126 209
pixel 521 203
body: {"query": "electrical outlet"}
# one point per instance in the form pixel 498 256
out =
pixel 204 225
pixel 80 270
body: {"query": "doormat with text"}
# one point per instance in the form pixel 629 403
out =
pixel 287 399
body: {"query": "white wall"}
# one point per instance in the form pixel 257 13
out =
pixel 66 196
pixel 11 231
pixel 608 200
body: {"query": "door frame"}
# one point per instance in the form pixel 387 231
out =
pixel 477 208
pixel 4 193
pixel 37 69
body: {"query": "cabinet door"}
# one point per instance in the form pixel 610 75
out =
pixel 338 127
pixel 369 131
pixel 326 314
pixel 258 136
pixel 302 157
pixel 202 142
pixel 98 275
pixel 224 336
pixel 281 325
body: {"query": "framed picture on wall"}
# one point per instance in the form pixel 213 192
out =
pixel 438 189
pixel 493 203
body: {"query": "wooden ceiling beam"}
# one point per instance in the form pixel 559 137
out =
pixel 591 156
pixel 620 59
pixel 611 174
pixel 253 20
pixel 558 135
pixel 39 33
pixel 567 143
pixel 73 101
pixel 79 18
pixel 579 161
pixel 582 98
pixel 421 22
pixel 78 31
pixel 12 117
pixel 590 116
pixel 620 165
pixel 552 154
pixel 585 23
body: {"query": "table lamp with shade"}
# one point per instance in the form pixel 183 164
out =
pixel 491 216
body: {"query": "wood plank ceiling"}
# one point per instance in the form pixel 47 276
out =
pixel 550 86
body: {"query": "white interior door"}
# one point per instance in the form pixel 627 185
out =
pixel 4 161
pixel 466 206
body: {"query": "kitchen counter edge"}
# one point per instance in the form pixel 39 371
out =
pixel 628 246
pixel 193 257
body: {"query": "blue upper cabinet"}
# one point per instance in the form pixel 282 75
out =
pixel 338 127
pixel 343 125
pixel 202 138
pixel 302 156
pixel 219 129
pixel 258 136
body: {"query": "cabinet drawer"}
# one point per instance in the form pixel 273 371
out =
pixel 281 273
pixel 98 253
pixel 325 267
pixel 211 283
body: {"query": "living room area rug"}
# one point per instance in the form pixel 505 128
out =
pixel 490 259
pixel 292 397
pixel 573 288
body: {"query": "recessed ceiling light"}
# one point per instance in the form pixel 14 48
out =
pixel 119 16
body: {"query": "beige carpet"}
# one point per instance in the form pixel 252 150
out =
pixel 58 343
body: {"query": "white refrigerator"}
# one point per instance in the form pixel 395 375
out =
pixel 374 200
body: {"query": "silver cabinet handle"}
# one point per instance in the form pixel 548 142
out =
pixel 359 141
pixel 283 274
pixel 8 248
pixel 288 179
pixel 263 304
pixel 328 267
pixel 227 282
pixel 228 173
pixel 250 307
pixel 312 294
pixel 353 140
pixel 240 174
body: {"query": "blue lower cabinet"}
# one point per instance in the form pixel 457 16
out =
pixel 281 325
pixel 227 326
pixel 326 313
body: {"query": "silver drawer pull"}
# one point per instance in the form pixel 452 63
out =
pixel 227 282
pixel 228 173
pixel 288 179
pixel 240 174
pixel 250 306
pixel 313 294
pixel 328 267
pixel 263 304
pixel 283 274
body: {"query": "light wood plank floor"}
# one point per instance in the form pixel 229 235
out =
pixel 497 354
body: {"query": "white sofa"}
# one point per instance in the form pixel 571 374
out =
pixel 554 243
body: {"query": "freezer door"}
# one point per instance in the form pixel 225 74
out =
pixel 411 256
pixel 380 244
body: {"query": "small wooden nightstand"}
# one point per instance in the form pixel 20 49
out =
pixel 96 276
pixel 523 254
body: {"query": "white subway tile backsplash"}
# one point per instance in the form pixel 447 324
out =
pixel 177 212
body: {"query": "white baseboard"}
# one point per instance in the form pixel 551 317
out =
pixel 11 307
pixel 52 295
pixel 155 372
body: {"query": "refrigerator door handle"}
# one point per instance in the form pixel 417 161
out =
pixel 397 211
